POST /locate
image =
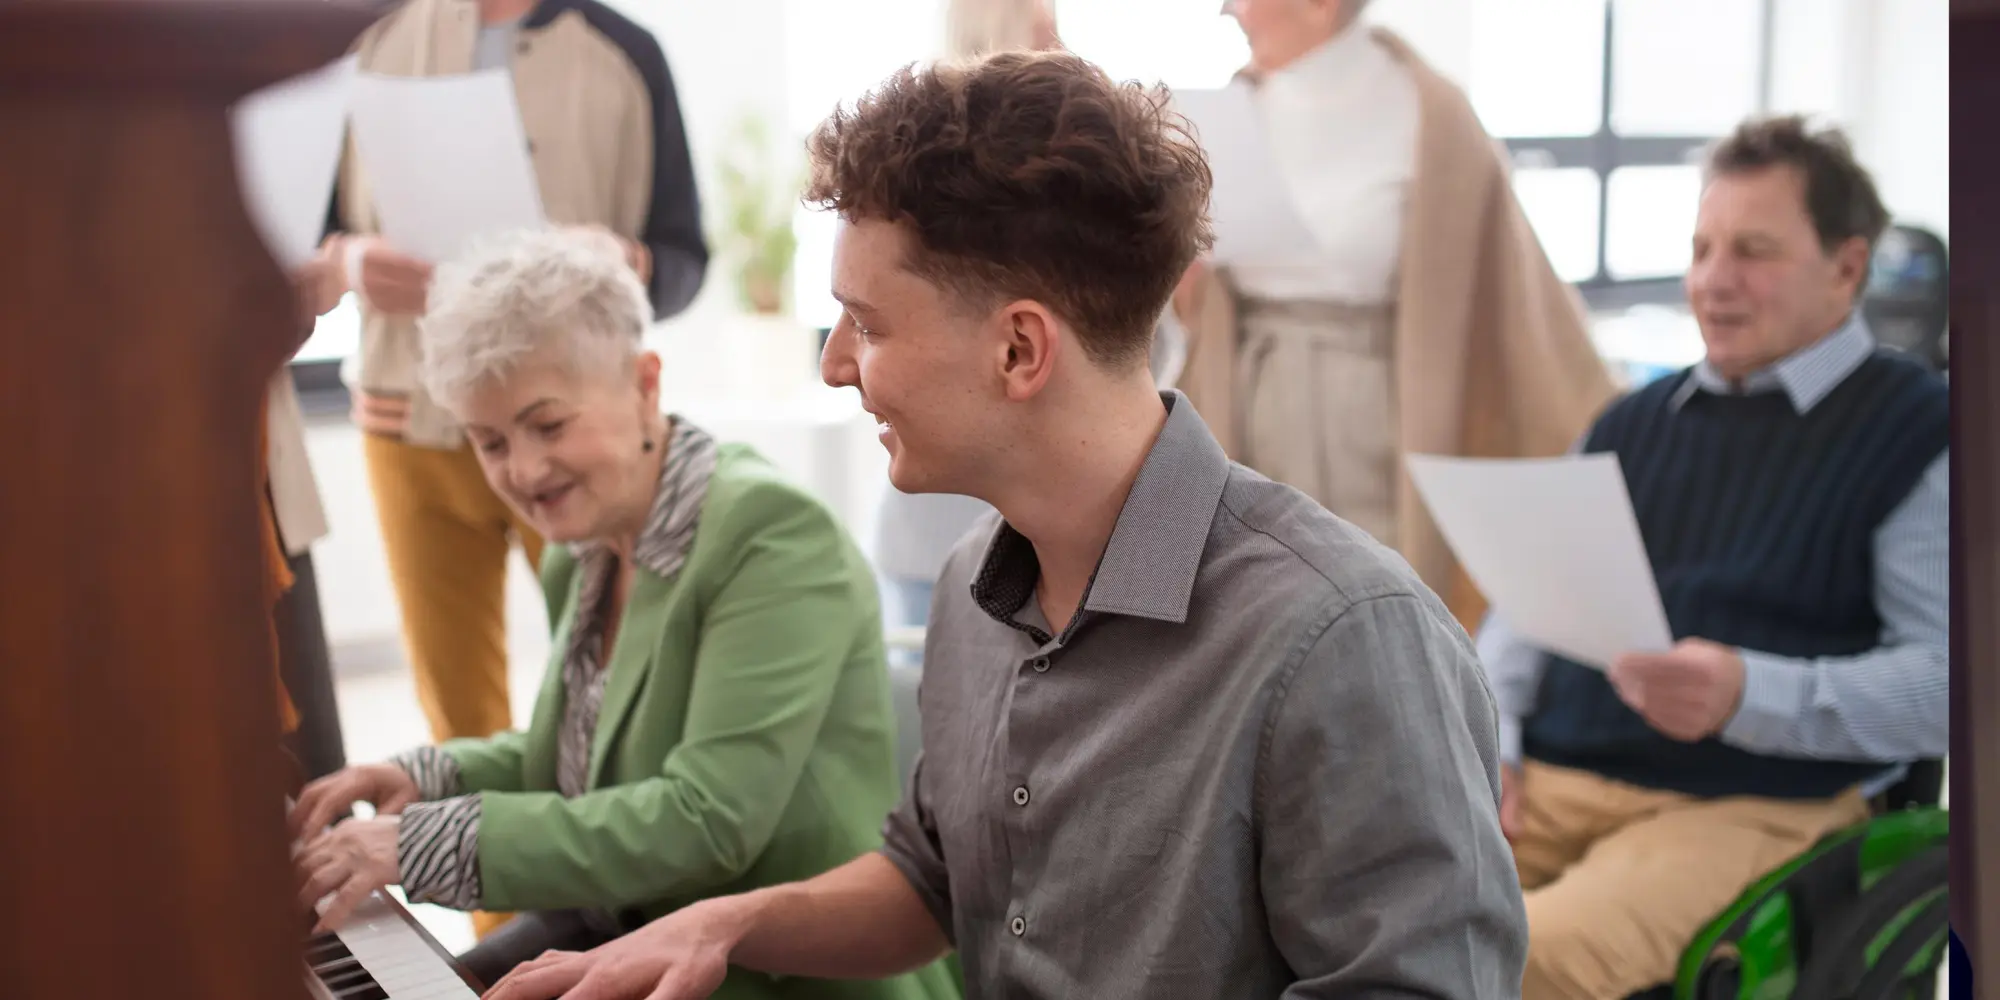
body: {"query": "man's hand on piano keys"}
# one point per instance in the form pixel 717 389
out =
pixel 347 863
pixel 681 956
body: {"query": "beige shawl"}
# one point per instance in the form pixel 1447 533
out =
pixel 1493 354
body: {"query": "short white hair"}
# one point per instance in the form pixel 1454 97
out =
pixel 565 296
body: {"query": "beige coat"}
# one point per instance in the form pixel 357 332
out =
pixel 1493 356
pixel 294 492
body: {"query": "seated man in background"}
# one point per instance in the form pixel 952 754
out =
pixel 1185 733
pixel 1791 491
pixel 716 714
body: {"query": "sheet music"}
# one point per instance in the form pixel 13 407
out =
pixel 1556 545
pixel 447 159
pixel 288 143
pixel 1250 203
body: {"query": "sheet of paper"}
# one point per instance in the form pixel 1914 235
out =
pixel 288 141
pixel 1250 204
pixel 1555 545
pixel 446 159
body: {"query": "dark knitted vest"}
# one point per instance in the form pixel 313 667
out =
pixel 1760 524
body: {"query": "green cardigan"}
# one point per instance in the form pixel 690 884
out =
pixel 746 737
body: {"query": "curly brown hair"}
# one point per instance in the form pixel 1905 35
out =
pixel 1027 175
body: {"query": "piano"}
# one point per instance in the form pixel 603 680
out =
pixel 141 320
pixel 382 953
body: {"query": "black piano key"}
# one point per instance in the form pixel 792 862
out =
pixel 325 949
pixel 370 990
pixel 339 971
pixel 341 962
pixel 344 977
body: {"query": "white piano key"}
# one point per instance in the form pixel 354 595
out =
pixel 398 957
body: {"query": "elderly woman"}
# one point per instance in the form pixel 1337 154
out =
pixel 716 713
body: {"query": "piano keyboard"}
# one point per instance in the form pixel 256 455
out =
pixel 378 955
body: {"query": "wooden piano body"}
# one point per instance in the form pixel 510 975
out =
pixel 142 846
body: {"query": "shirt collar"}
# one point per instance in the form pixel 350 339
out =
pixel 677 499
pixel 1323 70
pixel 1805 376
pixel 1149 565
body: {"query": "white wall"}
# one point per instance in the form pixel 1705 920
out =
pixel 726 60
pixel 1880 68
pixel 1907 110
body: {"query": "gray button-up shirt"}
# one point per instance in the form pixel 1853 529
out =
pixel 1259 762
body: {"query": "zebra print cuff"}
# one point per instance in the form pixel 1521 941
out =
pixel 434 771
pixel 437 852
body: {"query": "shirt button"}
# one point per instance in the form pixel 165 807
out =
pixel 1021 795
pixel 1019 926
pixel 1041 664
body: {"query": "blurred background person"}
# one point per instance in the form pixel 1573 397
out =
pixel 1430 321
pixel 1792 490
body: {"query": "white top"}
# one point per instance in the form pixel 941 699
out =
pixel 1342 121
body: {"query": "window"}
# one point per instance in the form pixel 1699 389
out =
pixel 1649 221
pixel 1684 67
pixel 1607 106
pixel 1562 203
pixel 1538 66
pixel 1181 43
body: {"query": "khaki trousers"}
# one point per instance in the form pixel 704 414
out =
pixel 1619 879
pixel 1317 393
pixel 447 537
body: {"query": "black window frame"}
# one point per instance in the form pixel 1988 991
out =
pixel 1605 151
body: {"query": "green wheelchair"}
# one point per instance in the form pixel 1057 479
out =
pixel 1860 916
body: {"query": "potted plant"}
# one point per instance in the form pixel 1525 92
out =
pixel 759 189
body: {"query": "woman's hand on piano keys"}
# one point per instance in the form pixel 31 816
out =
pixel 348 863
pixel 385 786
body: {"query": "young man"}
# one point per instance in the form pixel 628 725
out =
pixel 1185 732
pixel 1791 490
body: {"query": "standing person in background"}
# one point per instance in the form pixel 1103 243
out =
pixel 1430 322
pixel 914 532
pixel 609 151
pixel 294 519
pixel 291 518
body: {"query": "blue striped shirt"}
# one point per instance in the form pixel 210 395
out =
pixel 1888 704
